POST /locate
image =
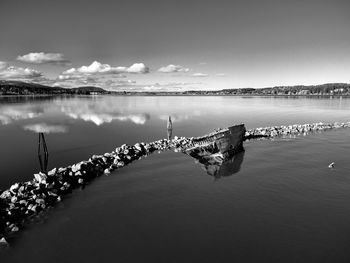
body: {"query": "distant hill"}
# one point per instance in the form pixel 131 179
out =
pixel 24 88
pixel 322 89
pixel 88 90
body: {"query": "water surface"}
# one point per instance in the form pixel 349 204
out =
pixel 277 202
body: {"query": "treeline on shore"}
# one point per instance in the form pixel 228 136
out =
pixel 323 89
pixel 23 88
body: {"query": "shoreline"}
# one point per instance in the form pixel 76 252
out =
pixel 175 95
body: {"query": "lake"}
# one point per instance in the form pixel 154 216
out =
pixel 276 202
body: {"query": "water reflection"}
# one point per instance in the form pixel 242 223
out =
pixel 96 110
pixel 181 117
pixel 101 118
pixel 222 169
pixel 45 128
pixel 11 113
pixel 100 111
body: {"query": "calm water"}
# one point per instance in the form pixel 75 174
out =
pixel 277 202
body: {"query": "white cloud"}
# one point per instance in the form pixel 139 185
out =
pixel 42 58
pixel 3 65
pixel 45 128
pixel 99 68
pixel 173 68
pixel 200 75
pixel 19 73
pixel 220 74
pixel 137 68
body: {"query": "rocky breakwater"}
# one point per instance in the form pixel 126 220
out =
pixel 289 130
pixel 26 200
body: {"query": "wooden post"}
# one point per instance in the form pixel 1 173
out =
pixel 43 157
pixel 169 128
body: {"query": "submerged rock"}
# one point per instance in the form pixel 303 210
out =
pixel 3 243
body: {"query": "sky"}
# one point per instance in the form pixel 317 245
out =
pixel 175 45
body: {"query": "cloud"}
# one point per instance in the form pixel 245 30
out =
pixel 137 68
pixel 44 58
pixel 11 72
pixel 220 74
pixel 3 65
pixel 45 128
pixel 97 68
pixel 200 75
pixel 173 68
pixel 108 82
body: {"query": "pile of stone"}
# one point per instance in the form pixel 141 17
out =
pixel 296 129
pixel 27 199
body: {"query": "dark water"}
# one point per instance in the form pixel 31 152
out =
pixel 277 202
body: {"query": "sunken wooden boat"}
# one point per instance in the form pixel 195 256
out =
pixel 217 147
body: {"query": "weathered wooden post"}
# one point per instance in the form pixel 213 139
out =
pixel 169 128
pixel 43 157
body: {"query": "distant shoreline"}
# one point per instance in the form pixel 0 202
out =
pixel 171 95
pixel 20 88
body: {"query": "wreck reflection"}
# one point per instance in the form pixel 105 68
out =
pixel 226 168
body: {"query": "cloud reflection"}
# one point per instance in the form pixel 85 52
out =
pixel 101 118
pixel 100 112
pixel 180 117
pixel 8 114
pixel 45 128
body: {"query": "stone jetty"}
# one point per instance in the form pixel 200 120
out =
pixel 25 200
pixel 295 129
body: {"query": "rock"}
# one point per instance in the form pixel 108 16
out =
pixel 120 164
pixel 15 229
pixel 76 167
pixel 52 172
pixel 40 177
pixel 3 243
pixel 107 171
pixel 14 187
